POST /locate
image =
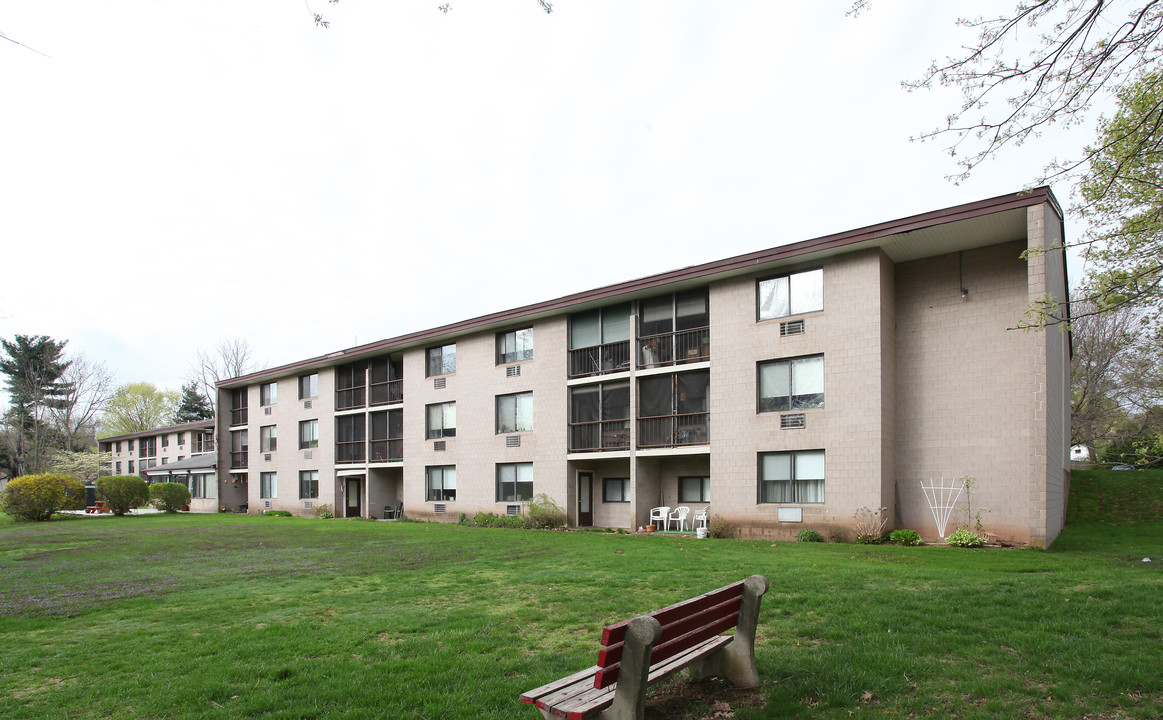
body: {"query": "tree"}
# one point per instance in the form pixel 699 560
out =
pixel 84 466
pixel 35 368
pixel 138 406
pixel 229 359
pixel 192 406
pixel 1046 64
pixel 1099 366
pixel 87 387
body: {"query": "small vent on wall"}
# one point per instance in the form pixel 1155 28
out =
pixel 267 457
pixel 266 411
pixel 513 509
pixel 306 404
pixel 307 505
pixel 439 508
pixel 439 383
pixel 266 503
pixel 307 455
pixel 792 422
pixel 438 446
pixel 513 371
pixel 513 441
pixel 792 327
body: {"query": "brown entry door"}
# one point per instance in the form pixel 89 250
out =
pixel 585 499
pixel 352 493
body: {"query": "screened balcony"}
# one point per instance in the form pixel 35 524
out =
pixel 594 436
pixel 599 359
pixel 599 417
pixel 599 341
pixel 673 430
pixel 349 439
pixel 386 381
pixel 387 436
pixel 674 348
pixel 672 410
pixel 351 386
pixel 674 329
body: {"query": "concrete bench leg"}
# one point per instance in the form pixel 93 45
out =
pixel 736 662
pixel 630 695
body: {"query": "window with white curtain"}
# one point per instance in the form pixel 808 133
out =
pixel 514 482
pixel 791 477
pixel 515 413
pixel 441 420
pixel 793 294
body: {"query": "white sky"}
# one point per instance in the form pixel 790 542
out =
pixel 177 173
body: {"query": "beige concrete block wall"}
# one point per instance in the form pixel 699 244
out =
pixel 964 394
pixel 849 333
pixel 477 449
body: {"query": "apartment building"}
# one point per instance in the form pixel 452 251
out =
pixel 785 388
pixel 178 453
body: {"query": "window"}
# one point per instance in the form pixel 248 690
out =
pixel 385 381
pixel 268 393
pixel 791 294
pixel 387 436
pixel 791 477
pixel 515 413
pixel 350 385
pixel 268 438
pixel 597 327
pixel 239 445
pixel 441 483
pixel 514 482
pixel 165 440
pixel 181 439
pixel 308 434
pixel 441 360
pixel 130 467
pixel 165 460
pixel 238 406
pixel 616 490
pixel 308 386
pixel 199 487
pixel 441 420
pixel 515 346
pixel 118 445
pixel 308 484
pixel 268 486
pixel 350 431
pixel 694 489
pixel 147 447
pixel 794 384
pixel 203 442
pixel 118 471
pixel 130 446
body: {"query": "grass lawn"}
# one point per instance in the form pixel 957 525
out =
pixel 227 616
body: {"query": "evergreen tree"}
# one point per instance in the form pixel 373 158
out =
pixel 193 406
pixel 34 367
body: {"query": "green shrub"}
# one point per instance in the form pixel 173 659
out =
pixel 719 528
pixel 809 535
pixel 493 520
pixel 905 537
pixel 544 513
pixel 122 493
pixel 169 497
pixel 37 497
pixel 322 511
pixel 278 513
pixel 965 538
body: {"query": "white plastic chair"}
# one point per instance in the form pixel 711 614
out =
pixel 658 517
pixel 701 517
pixel 679 516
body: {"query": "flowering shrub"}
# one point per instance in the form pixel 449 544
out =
pixel 965 538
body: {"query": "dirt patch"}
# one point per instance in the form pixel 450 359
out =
pixel 711 699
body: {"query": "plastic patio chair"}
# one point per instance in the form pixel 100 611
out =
pixel 701 517
pixel 658 517
pixel 679 516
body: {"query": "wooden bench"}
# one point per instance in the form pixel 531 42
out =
pixel 646 649
pixel 98 507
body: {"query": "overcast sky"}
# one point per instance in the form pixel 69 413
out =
pixel 176 173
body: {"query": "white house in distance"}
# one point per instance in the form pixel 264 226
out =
pixel 785 388
pixel 178 453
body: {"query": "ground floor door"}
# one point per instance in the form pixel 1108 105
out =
pixel 585 499
pixel 354 496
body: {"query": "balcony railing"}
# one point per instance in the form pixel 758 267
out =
pixel 387 393
pixel 238 416
pixel 349 452
pixel 387 450
pixel 675 348
pixel 599 359
pixel 350 398
pixel 598 435
pixel 673 430
pixel 238 459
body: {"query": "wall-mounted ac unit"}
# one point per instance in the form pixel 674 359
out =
pixel 266 411
pixel 439 508
pixel 513 441
pixel 306 404
pixel 266 503
pixel 513 371
pixel 267 457
pixel 307 455
pixel 439 383
pixel 438 446
pixel 306 504
pixel 791 327
pixel 792 422
pixel 513 509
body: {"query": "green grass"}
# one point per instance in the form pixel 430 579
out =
pixel 226 616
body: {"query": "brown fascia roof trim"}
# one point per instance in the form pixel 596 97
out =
pixel 205 424
pixel 979 208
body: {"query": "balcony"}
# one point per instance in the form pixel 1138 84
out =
pixel 674 348
pixel 350 398
pixel 600 435
pixel 387 450
pixel 387 393
pixel 599 359
pixel 349 452
pixel 238 458
pixel 238 416
pixel 673 431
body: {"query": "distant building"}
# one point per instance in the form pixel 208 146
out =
pixel 178 453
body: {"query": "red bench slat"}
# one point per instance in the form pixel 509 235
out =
pixel 613 654
pixel 609 675
pixel 616 633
